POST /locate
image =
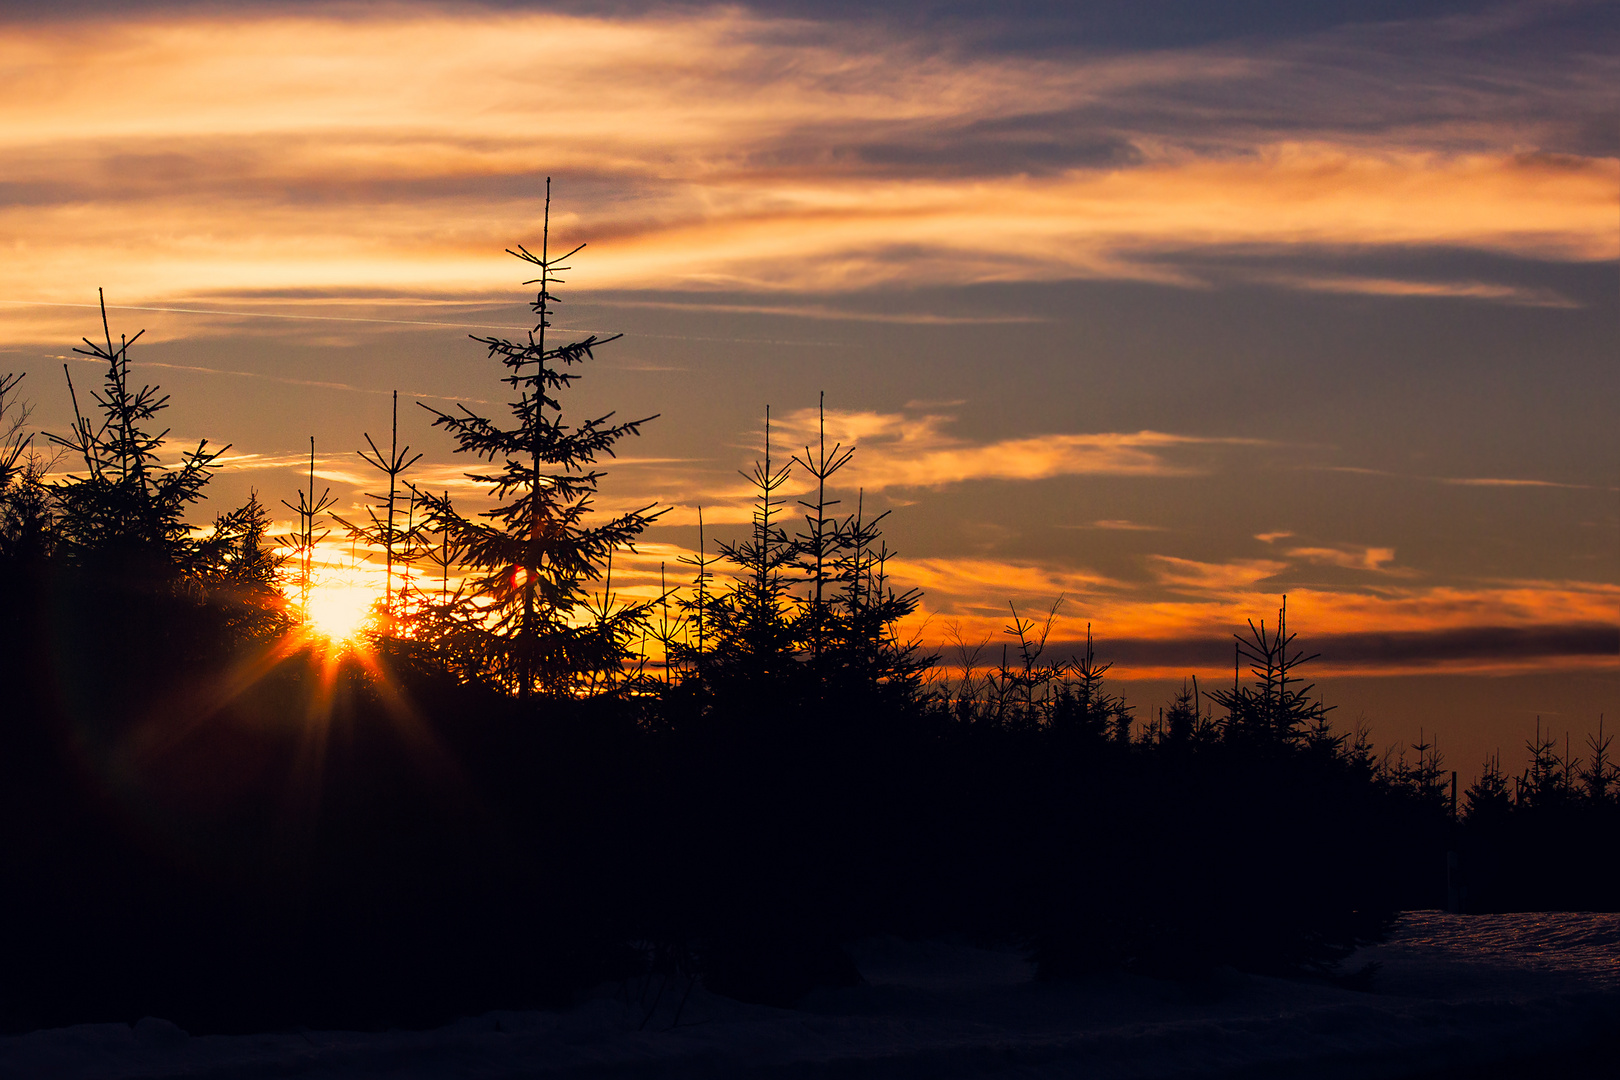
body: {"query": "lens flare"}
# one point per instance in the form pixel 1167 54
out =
pixel 340 610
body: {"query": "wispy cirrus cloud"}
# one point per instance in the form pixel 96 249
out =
pixel 1509 482
pixel 900 450
pixel 709 148
pixel 828 312
pixel 1464 481
pixel 1118 525
pixel 1462 290
pixel 1198 576
pixel 314 384
pixel 1374 559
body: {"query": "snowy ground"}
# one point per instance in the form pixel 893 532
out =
pixel 1453 991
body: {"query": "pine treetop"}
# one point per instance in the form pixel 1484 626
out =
pixel 532 554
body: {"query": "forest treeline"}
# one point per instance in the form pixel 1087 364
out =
pixel 524 784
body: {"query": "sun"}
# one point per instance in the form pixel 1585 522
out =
pixel 339 610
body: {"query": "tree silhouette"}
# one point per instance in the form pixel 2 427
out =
pixel 532 555
pixel 690 647
pixel 437 548
pixel 1545 781
pixel 751 634
pixel 14 439
pixel 1183 721
pixel 1277 709
pixel 246 573
pixel 1083 708
pixel 126 512
pixel 1487 798
pixel 309 509
pixel 245 558
pixel 817 548
pixel 26 504
pixel 399 545
pixel 1601 774
pixel 865 648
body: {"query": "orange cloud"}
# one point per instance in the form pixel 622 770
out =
pixel 1095 224
pixel 1387 631
pixel 1121 525
pixel 1182 621
pixel 1190 574
pixel 1468 290
pixel 909 450
pixel 1486 481
pixel 1350 558
pixel 185 154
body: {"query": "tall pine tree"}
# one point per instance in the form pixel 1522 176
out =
pixel 531 557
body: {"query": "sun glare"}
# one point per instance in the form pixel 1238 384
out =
pixel 338 610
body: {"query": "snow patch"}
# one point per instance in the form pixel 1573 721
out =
pixel 1452 991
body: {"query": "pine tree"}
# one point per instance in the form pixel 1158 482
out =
pixel 245 559
pixel 1545 780
pixel 309 509
pixel 839 629
pixel 817 548
pixel 1487 800
pixel 125 512
pixel 438 550
pixel 1600 775
pixel 532 556
pixel 26 504
pixel 400 546
pixel 14 439
pixel 690 652
pixel 865 647
pixel 751 633
pixel 245 575
pixel 1182 721
pixel 1277 709
pixel 1083 710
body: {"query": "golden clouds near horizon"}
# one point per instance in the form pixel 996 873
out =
pixel 1187 605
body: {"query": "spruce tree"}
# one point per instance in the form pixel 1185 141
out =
pixel 1600 774
pixel 751 634
pixel 865 647
pixel 689 651
pixel 14 438
pixel 839 634
pixel 126 511
pixel 246 572
pixel 308 533
pixel 400 545
pixel 818 547
pixel 1277 709
pixel 26 506
pixel 531 556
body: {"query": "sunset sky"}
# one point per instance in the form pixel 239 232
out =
pixel 1168 308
